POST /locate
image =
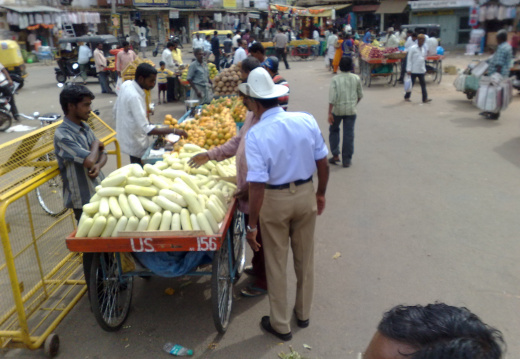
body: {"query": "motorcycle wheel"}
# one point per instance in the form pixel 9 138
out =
pixel 5 121
pixel 61 78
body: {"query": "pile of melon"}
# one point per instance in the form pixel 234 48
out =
pixel 227 81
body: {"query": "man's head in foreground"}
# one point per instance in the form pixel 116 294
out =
pixel 436 331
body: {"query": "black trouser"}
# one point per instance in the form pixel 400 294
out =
pixel 87 257
pixel 6 91
pixel 280 53
pixel 403 69
pixel 423 87
pixel 136 160
pixel 217 60
pixel 170 92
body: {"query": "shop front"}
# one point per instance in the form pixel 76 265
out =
pixel 393 13
pixel 366 17
pixel 451 15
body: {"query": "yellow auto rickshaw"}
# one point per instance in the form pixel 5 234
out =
pixel 12 59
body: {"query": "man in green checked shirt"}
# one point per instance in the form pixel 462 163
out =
pixel 501 63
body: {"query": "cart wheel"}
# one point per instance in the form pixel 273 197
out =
pixel 110 292
pixel 222 286
pixel 51 345
pixel 239 244
pixel 470 95
pixel 397 73
pixel 391 78
pixel 50 197
pixel 438 72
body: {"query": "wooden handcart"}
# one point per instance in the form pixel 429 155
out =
pixel 368 65
pixel 434 67
pixel 111 287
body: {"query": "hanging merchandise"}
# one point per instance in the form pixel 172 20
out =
pixel 217 17
pixel 473 16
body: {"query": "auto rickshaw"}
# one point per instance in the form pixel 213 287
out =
pixel 68 55
pixel 12 59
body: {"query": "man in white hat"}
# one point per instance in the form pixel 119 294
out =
pixel 283 151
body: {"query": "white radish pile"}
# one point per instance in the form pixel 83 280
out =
pixel 169 195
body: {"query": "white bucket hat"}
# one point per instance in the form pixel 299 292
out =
pixel 260 85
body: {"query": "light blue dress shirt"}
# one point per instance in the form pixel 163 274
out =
pixel 84 55
pixel 283 147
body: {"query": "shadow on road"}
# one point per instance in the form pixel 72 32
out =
pixel 509 150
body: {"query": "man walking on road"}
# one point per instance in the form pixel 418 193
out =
pixel 501 63
pixel 283 151
pixel 80 155
pixel 84 55
pixel 101 69
pixel 215 48
pixel 280 45
pixel 344 94
pixel 416 67
pixel 124 58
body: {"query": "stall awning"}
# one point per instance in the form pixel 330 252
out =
pixel 392 7
pixel 365 8
pixel 315 11
pixel 37 8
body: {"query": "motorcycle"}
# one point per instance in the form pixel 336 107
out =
pixel 6 118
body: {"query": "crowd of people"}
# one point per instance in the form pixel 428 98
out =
pixel 278 152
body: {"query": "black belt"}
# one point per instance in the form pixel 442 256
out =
pixel 287 185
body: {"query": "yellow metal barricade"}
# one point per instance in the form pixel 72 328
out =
pixel 40 280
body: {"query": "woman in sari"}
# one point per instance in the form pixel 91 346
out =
pixel 338 54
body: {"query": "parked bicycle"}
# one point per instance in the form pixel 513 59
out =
pixel 49 194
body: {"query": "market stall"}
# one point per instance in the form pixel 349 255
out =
pixel 376 62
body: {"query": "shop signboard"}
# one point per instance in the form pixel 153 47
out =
pixel 165 3
pixel 118 2
pixel 174 14
pixel 431 4
pixel 229 4
pixel 184 3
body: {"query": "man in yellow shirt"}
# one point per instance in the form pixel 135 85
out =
pixel 177 54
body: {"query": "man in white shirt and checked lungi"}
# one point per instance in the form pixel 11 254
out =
pixel 283 151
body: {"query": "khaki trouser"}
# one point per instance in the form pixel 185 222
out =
pixel 288 217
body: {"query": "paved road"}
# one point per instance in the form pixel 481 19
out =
pixel 427 212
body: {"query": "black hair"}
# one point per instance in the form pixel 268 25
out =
pixel 125 43
pixel 229 35
pixel 257 47
pixel 250 63
pixel 414 34
pixel 502 35
pixel 440 331
pixel 267 103
pixel 197 50
pixel 169 44
pixel 409 31
pixel 144 70
pixel 162 63
pixel 74 95
pixel 345 64
pixel 347 36
pixel 215 32
pixel 334 31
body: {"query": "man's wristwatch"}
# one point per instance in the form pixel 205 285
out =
pixel 251 230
